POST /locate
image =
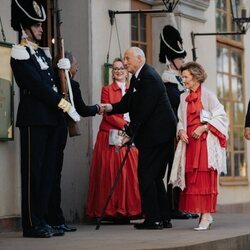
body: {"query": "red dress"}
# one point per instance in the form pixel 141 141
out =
pixel 125 201
pixel 200 194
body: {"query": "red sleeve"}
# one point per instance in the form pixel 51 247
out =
pixel 115 120
pixel 221 137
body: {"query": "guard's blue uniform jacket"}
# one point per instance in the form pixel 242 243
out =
pixel 38 99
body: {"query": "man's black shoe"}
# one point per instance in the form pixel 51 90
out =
pixel 54 232
pixel 167 224
pixel 65 228
pixel 179 215
pixel 37 232
pixel 149 225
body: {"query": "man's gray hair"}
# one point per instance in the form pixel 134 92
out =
pixel 69 55
pixel 138 51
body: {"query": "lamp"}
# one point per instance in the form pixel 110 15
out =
pixel 169 4
pixel 239 16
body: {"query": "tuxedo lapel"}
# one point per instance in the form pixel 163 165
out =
pixel 133 82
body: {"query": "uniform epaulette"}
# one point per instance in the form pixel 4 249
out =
pixel 47 52
pixel 19 52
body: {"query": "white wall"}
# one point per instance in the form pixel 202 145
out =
pixel 76 32
pixel 89 42
pixel 9 150
pixel 100 39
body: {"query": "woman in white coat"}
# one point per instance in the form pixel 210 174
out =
pixel 200 155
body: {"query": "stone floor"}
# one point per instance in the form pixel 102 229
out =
pixel 228 232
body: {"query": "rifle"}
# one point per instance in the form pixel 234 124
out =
pixel 65 85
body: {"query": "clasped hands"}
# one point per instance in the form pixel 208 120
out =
pixel 196 133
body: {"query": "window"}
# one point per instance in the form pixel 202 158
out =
pixel 231 92
pixel 141 29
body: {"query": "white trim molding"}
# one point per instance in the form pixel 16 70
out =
pixel 190 9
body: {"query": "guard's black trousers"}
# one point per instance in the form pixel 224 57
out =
pixel 38 157
pixel 55 215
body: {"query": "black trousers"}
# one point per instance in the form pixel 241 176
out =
pixel 151 171
pixel 173 193
pixel 38 157
pixel 55 215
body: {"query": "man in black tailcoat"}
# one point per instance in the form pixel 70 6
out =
pixel 152 127
pixel 38 117
pixel 55 215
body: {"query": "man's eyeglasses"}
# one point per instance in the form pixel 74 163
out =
pixel 117 69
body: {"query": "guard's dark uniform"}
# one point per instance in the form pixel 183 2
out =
pixel 37 118
pixel 174 97
pixel 171 49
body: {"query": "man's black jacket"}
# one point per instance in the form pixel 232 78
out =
pixel 152 119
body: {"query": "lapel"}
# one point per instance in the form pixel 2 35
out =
pixel 142 71
pixel 138 80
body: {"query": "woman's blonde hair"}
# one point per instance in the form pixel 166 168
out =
pixel 118 59
pixel 196 70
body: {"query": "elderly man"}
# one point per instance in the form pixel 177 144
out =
pixel 152 127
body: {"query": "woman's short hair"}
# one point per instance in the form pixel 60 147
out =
pixel 196 70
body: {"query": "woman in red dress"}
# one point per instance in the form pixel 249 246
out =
pixel 202 129
pixel 125 201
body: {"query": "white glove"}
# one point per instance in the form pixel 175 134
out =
pixel 107 107
pixel 63 63
pixel 73 114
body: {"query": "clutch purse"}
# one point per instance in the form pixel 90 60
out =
pixel 115 137
pixel 205 116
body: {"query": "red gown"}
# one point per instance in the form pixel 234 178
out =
pixel 125 201
pixel 200 194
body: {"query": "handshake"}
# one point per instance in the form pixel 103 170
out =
pixel 71 111
pixel 104 108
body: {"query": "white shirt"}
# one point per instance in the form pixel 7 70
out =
pixel 122 86
pixel 138 71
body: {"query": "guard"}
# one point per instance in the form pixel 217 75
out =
pixel 39 113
